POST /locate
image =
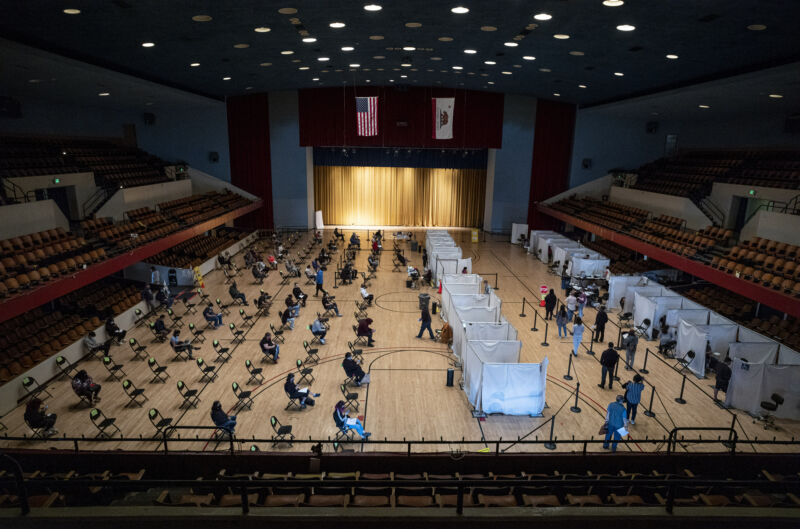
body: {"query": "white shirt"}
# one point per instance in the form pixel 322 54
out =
pixel 572 303
pixel 364 293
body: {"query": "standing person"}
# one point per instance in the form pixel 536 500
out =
pixel 319 280
pixel 581 303
pixel 155 276
pixel 222 420
pixel 561 321
pixel 629 342
pixel 633 396
pixel 550 301
pixel 147 297
pixel 577 335
pixel 600 325
pixel 723 377
pixel 364 330
pixel 425 318
pixel 565 278
pixel 572 305
pixel 486 288
pixel 345 423
pixel 424 258
pixel 269 348
pixel 84 386
pixel 37 417
pixel 615 419
pixel 608 361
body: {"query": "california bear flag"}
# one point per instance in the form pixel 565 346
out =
pixel 443 118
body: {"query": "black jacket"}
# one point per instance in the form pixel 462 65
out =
pixel 550 300
pixel 609 358
pixel 426 316
pixel 601 319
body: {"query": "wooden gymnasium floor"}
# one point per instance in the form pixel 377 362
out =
pixel 407 397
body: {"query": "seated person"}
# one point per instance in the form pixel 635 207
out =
pixel 286 317
pixel 281 251
pixel 347 274
pixel 337 234
pixel 37 417
pixel 464 270
pixel 375 246
pixel 318 329
pixel 428 276
pixel 92 345
pixel 301 297
pixel 323 257
pixel 317 237
pixel 160 326
pixel 413 273
pixel 224 260
pixel 221 419
pixel 113 331
pixel 165 298
pixel 332 245
pixel 355 240
pixel 344 423
pixel 329 304
pixel 293 308
pixel 263 300
pixel 296 392
pixel 310 274
pixel 84 386
pixel 180 346
pixel 366 296
pixel 364 330
pixel 258 273
pixel 248 259
pixel 291 268
pixel 401 259
pixel 269 347
pixel 373 263
pixel 273 263
pixel 235 294
pixel 212 316
pixel 353 369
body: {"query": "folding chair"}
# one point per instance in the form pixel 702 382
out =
pixel 238 336
pixel 277 334
pixel 181 352
pixel 329 313
pixel 244 398
pixel 228 276
pixel 115 370
pixel 139 351
pixel 159 372
pixel 140 317
pixel 103 423
pixel 190 397
pixel 34 389
pixel 305 373
pixel 133 393
pixel 284 278
pixel 314 338
pixel 283 432
pixel 311 354
pixel 223 353
pixel 203 296
pixel 361 309
pixel 190 307
pixel 197 333
pixel 310 280
pixel 365 279
pixel 371 274
pixel 37 432
pixel 351 399
pixel 223 308
pixel 255 373
pixel 395 265
pixel 177 321
pixel 247 321
pixel 356 352
pixel 344 434
pixel 360 340
pixel 207 372
pixel 67 369
pixel 293 401
pixel 325 321
pixel 159 421
pixel 263 310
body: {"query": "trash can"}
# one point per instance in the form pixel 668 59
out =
pixel 424 301
pixel 434 308
pixel 414 245
pixel 450 374
pixel 172 277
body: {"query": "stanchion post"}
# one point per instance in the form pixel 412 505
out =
pixel 680 399
pixel 616 371
pixel 550 444
pixel 591 345
pixel 644 366
pixel 522 314
pixel 535 317
pixel 619 336
pixel 575 408
pixel 569 368
pixel 649 411
pixel 546 325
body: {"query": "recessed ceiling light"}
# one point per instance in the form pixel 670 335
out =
pixel 756 27
pixel 379 57
pixel 445 39
pixel 369 81
pixel 626 27
pixel 391 80
pixel 337 25
pixel 287 52
pixel 248 87
pixel 262 29
pixel 241 46
pixel 34 81
pixel 543 16
pixel 506 73
pixel 619 74
pixel 460 10
pixel 545 70
pixel 148 44
pixel 309 39
pixel 72 11
pixel 517 66
pixel 556 94
pixel 303 68
pixel 490 63
pixel 372 7
pixel 560 36
pixel 672 56
pixel 405 64
pixel 488 28
pixel 458 67
pixel 470 52
pixel 612 3
pixel 576 53
pixel 581 86
pixel 409 48
pixel 201 18
pixel 287 11
pixel 491 82
pixel 511 44
pixel 355 65
pixel 413 25
pixel 265 64
pixel 315 79
pixel 529 57
pixel 404 76
pixel 376 37
pixel 703 106
pixel 323 59
pixel 226 78
pixel 776 96
pixel 195 64
pixel 104 94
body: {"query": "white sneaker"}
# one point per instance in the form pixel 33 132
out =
pixel 633 422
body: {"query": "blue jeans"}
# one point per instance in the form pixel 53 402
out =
pixel 630 411
pixel 580 309
pixel 576 342
pixel 229 425
pixel 606 371
pixel 216 319
pixel 295 311
pixel 240 296
pixel 425 325
pixel 612 432
pixel 570 314
pixel 277 351
pixel 358 427
pixel 564 283
pixel 563 328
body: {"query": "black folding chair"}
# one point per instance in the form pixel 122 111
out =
pixel 244 399
pixel 190 397
pixel 159 421
pixel 177 321
pixel 312 357
pixel 238 335
pixel 283 432
pixel 159 372
pixel 133 393
pixel 67 369
pixel 104 424
pixel 277 334
pixel 34 389
pixel 247 320
pixel 223 308
pixel 357 353
pixel 197 333
pixel 305 373
pixel 255 373
pixel 115 371
pixel 207 372
pixel 223 353
pixel 351 399
pixel 139 351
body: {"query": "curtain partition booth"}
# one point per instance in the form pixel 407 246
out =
pixel 652 308
pixel 533 238
pixel 651 289
pixel 495 381
pixel 694 338
pixel 561 249
pixel 593 266
pixel 516 231
pixel 617 285
pixel 463 315
pixel 753 382
pixel 458 284
pixel 545 246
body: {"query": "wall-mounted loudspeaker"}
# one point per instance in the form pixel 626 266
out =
pixel 651 127
pixel 586 163
pixel 149 118
pixel 213 157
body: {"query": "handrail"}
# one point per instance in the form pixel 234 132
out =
pixel 733 437
pixel 14 187
pixel 791 207
pixel 92 204
pixel 715 210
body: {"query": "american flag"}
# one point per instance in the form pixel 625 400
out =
pixel 367 116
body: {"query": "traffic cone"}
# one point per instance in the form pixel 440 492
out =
pixel 440 287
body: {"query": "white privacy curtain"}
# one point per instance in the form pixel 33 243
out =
pixel 744 387
pixel 754 352
pixel 444 261
pixel 476 353
pixel 617 285
pixel 458 284
pixel 546 242
pixel 562 248
pixel 696 316
pixel 490 331
pixel 592 267
pixel 514 389
pixel 465 315
pixel 751 384
pixel 690 338
pixel 533 239
pixel 716 319
pixel 652 308
pixel 787 356
pixel 464 263
pixel 630 294
pixel 749 335
pixel 517 230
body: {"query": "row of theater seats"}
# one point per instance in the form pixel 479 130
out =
pixel 623 260
pixel 621 489
pixel 635 267
pixel 196 250
pixel 36 335
pixel 197 208
pixel 614 215
pixel 143 228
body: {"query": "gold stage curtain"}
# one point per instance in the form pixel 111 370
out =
pixel 399 196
